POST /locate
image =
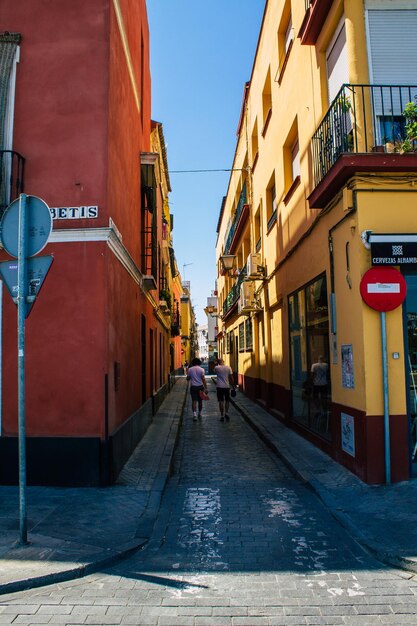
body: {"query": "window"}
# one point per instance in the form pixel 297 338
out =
pixel 337 61
pixel 248 334
pixel 309 347
pixel 149 248
pixel 254 145
pixel 257 229
pixel 394 64
pixel 291 162
pixel 271 202
pixel 285 40
pixel 295 160
pixel 241 337
pixel 266 102
pixel 9 57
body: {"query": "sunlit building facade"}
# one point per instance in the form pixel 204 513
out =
pixel 324 176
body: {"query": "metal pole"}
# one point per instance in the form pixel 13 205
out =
pixel 21 311
pixel 386 399
pixel 1 356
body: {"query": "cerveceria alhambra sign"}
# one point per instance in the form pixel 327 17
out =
pixel 393 249
pixel 74 212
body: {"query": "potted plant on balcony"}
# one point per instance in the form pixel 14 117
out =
pixel 165 299
pixel 409 142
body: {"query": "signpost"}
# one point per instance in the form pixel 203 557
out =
pixel 384 289
pixel 24 231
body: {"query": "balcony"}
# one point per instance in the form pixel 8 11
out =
pixel 315 16
pixel 12 166
pixel 234 294
pixel 364 130
pixel 239 220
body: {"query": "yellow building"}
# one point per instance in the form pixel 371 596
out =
pixel 323 187
pixel 167 289
pixel 189 339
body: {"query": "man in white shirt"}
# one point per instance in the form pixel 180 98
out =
pixel 224 381
pixel 197 379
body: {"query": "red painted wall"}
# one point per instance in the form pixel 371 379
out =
pixel 78 127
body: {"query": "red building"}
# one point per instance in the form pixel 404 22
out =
pixel 75 113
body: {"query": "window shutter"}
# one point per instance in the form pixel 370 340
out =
pixel 8 46
pixel 393 46
pixel 337 64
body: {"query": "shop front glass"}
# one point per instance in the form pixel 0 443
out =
pixel 411 311
pixel 310 372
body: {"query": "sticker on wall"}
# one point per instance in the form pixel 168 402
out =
pixel 348 380
pixel 348 433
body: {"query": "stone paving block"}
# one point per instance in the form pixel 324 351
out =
pixel 69 619
pixel 402 620
pixel 33 619
pixel 212 621
pixel 230 611
pixel 21 609
pixel 333 620
pixel 250 621
pixel 197 610
pixel 54 609
pixel 176 621
pixel 287 621
pixel 103 620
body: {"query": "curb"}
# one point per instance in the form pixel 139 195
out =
pixel 70 574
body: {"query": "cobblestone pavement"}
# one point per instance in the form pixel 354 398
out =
pixel 238 541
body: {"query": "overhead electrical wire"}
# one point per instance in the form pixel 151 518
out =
pixel 200 171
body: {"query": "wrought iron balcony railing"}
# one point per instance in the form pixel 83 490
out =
pixel 361 119
pixel 12 166
pixel 234 294
pixel 242 202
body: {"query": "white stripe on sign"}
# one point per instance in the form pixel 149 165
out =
pixel 383 288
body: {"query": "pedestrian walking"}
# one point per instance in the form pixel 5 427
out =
pixel 198 384
pixel 224 381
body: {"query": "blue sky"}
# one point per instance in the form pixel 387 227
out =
pixel 201 56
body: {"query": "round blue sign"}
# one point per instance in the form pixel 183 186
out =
pixel 38 226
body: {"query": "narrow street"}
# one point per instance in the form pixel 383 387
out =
pixel 238 541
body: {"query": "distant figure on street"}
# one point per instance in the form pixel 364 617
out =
pixel 195 374
pixel 224 381
pixel 185 366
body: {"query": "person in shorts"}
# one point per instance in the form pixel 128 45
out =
pixel 224 381
pixel 198 383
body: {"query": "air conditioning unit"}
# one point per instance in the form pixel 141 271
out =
pixel 247 303
pixel 254 269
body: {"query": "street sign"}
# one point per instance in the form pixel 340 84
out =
pixel 36 268
pixel 383 288
pixel 38 226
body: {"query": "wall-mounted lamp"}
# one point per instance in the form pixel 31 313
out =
pixel 211 310
pixel 227 261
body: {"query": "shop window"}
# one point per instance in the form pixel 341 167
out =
pixel 309 344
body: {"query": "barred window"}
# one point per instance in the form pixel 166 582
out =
pixel 241 337
pixel 248 334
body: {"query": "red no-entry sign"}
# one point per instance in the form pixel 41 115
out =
pixel 383 288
